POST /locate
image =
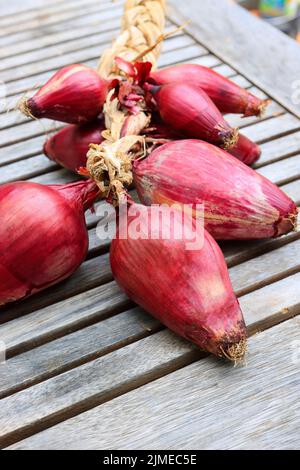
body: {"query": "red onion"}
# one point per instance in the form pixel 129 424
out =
pixel 189 111
pixel 238 202
pixel 189 291
pixel 43 236
pixel 245 150
pixel 69 146
pixel 75 94
pixel 227 96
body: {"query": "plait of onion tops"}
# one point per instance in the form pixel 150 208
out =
pixel 238 203
pixel 181 279
pixel 43 235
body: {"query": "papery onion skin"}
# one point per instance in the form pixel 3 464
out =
pixel 239 203
pixel 189 291
pixel 43 235
pixel 69 146
pixel 227 95
pixel 246 151
pixel 75 95
pixel 189 111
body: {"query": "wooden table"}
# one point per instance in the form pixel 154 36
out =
pixel 85 367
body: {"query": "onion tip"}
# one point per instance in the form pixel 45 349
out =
pixel 230 138
pixel 235 352
pixel 24 107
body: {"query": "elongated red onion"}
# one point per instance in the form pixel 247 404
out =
pixel 245 150
pixel 75 94
pixel 238 202
pixel 43 236
pixel 227 95
pixel 69 146
pixel 189 291
pixel 189 111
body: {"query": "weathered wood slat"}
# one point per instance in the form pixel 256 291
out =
pixel 9 9
pixel 293 190
pixel 283 171
pixel 224 25
pixel 272 128
pixel 35 12
pixel 66 14
pixel 74 349
pixel 8 66
pixel 118 372
pixel 89 24
pixel 279 148
pixel 24 169
pixel 267 268
pixel 78 311
pixel 258 404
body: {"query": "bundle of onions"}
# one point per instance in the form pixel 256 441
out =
pixel 189 291
pixel 43 235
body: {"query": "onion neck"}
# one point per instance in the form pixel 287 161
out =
pixel 83 192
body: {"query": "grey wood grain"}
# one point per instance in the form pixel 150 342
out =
pixel 190 408
pixel 66 14
pixel 272 128
pixel 56 26
pixel 56 320
pixel 25 169
pixel 293 190
pixel 267 268
pixel 35 11
pixel 279 148
pixel 117 373
pixel 9 9
pixel 283 171
pixel 89 24
pixel 233 34
pixel 74 349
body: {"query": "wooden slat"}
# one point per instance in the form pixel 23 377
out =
pixel 66 14
pixel 258 406
pixel 283 171
pixel 77 19
pixel 267 268
pixel 78 311
pixel 8 66
pixel 267 57
pixel 122 370
pixel 279 148
pixel 74 349
pixel 272 128
pixel 89 24
pixel 293 191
